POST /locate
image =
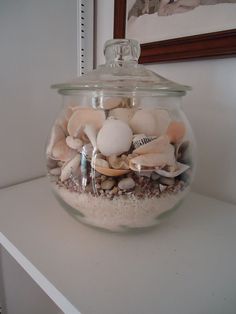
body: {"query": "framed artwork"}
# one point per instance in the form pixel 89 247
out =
pixel 178 30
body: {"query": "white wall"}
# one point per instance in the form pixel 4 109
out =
pixel 210 107
pixel 38 48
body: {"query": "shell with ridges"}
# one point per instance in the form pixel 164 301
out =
pixel 159 145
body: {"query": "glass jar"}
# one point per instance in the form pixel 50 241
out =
pixel 121 153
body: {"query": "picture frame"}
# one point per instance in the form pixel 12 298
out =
pixel 219 44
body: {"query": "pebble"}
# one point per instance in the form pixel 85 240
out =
pixel 103 178
pixel 126 184
pixel 115 190
pixel 107 184
pixel 55 171
pixel 155 176
pixel 167 181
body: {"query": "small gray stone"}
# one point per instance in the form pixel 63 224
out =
pixel 126 184
pixel 107 184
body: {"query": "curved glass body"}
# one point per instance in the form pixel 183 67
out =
pixel 119 159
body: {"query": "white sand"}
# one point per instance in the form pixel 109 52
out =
pixel 121 212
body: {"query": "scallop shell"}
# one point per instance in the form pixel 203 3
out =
pixel 176 131
pixel 57 134
pixel 115 137
pixel 123 114
pixel 62 152
pixel 172 174
pixel 84 116
pixel 70 167
pixel 159 145
pixel 152 161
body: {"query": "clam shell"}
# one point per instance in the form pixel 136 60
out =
pixel 57 134
pixel 143 122
pixel 176 131
pixel 172 174
pixel 62 152
pixel 115 137
pixel 84 116
pixel 70 167
pixel 152 161
pixel 159 145
pixel 123 114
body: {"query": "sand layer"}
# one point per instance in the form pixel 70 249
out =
pixel 120 213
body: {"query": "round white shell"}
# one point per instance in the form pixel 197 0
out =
pixel 115 137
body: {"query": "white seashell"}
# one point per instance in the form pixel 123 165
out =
pixel 84 116
pixel 107 184
pixel 98 162
pixel 143 122
pixel 62 152
pixel 115 137
pixel 159 145
pixel 56 135
pixel 91 133
pixel 74 143
pixel 70 168
pixel 172 174
pixel 55 171
pixel 152 161
pixel 123 114
pixel 126 184
pixel 162 187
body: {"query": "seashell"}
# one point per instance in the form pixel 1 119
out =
pixel 57 134
pixel 70 168
pixel 62 152
pixel 111 172
pixel 153 161
pixel 159 145
pixel 112 102
pixel 74 143
pixel 176 131
pixel 142 139
pixel 98 162
pixel 107 184
pixel 123 114
pixel 91 133
pixel 126 184
pixel 143 122
pixel 115 137
pixel 162 120
pixel 55 171
pixel 84 116
pixel 118 162
pixel 172 174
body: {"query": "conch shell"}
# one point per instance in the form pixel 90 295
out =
pixel 153 161
pixel 159 145
pixel 84 116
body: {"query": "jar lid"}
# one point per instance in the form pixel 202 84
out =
pixel 122 74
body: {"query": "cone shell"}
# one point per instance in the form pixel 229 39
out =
pixel 176 131
pixel 159 145
pixel 84 116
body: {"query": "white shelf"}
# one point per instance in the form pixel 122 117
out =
pixel 187 265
